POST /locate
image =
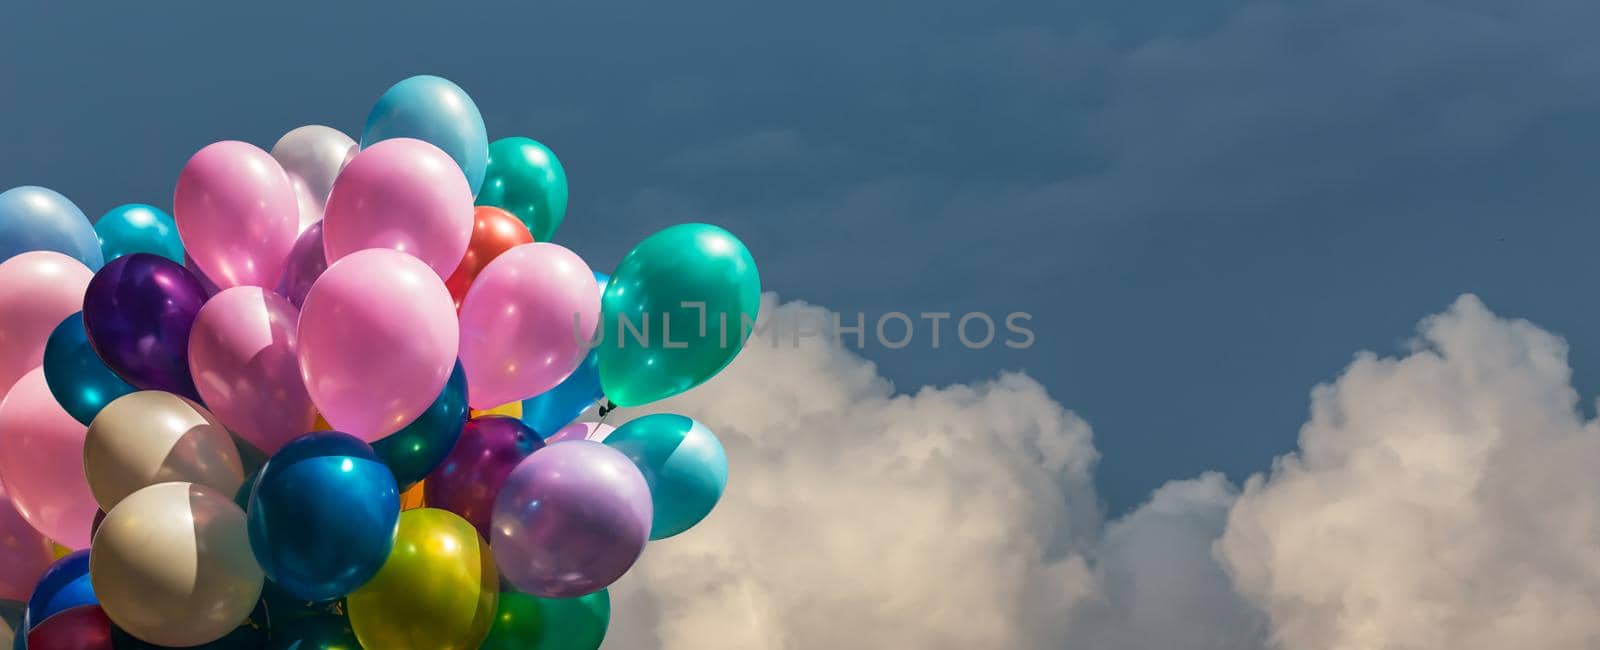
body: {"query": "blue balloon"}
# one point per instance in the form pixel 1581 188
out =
pixel 323 515
pixel 63 586
pixel 433 110
pixel 547 412
pixel 138 228
pixel 78 379
pixel 682 461
pixel 37 219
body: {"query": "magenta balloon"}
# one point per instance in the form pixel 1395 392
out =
pixel 402 194
pixel 526 323
pixel 305 264
pixel 469 479
pixel 237 214
pixel 378 339
pixel 570 520
pixel 41 464
pixel 243 356
pixel 24 553
pixel 38 290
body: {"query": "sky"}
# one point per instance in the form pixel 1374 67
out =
pixel 1210 208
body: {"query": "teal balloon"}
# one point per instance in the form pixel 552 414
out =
pixel 411 453
pixel 683 463
pixel 38 219
pixel 526 622
pixel 138 228
pixel 78 379
pixel 526 179
pixel 438 112
pixel 677 310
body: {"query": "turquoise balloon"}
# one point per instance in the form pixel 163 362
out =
pixel 677 310
pixel 37 219
pixel 138 228
pixel 438 112
pixel 682 461
pixel 78 379
pixel 526 179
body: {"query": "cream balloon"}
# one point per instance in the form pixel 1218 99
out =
pixel 172 566
pixel 150 437
pixel 312 155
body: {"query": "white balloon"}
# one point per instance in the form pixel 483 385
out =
pixel 313 155
pixel 172 565
pixel 151 437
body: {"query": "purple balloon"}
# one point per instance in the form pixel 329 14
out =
pixel 470 477
pixel 138 311
pixel 571 519
pixel 306 263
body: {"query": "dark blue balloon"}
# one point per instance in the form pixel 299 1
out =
pixel 252 634
pixel 411 453
pixel 138 311
pixel 78 379
pixel 63 586
pixel 547 412
pixel 322 515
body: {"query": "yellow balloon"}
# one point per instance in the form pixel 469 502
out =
pixel 412 499
pixel 322 425
pixel 438 589
pixel 513 409
pixel 59 551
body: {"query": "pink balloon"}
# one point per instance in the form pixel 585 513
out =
pixel 581 431
pixel 41 465
pixel 402 194
pixel 38 290
pixel 237 214
pixel 525 323
pixel 24 553
pixel 378 339
pixel 242 354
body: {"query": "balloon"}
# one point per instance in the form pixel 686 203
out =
pixel 682 461
pixel 571 519
pixel 415 497
pixel 526 179
pixel 508 409
pixel 138 311
pixel 37 291
pixel 470 477
pixel 37 219
pixel 200 276
pixel 438 590
pixel 63 586
pixel 243 354
pixel 138 228
pixel 238 214
pixel 581 431
pixel 421 446
pixel 436 111
pixel 525 622
pixel 494 231
pixel 250 635
pixel 526 323
pixel 401 194
pixel 24 553
pixel 78 379
pixel 172 565
pixel 378 340
pixel 79 628
pixel 315 632
pixel 312 156
pixel 11 631
pixel 42 462
pixel 151 437
pixel 306 263
pixel 322 515
pixel 700 287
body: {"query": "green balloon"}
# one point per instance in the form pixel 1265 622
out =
pixel 315 632
pixel 414 451
pixel 677 310
pixel 525 179
pixel 525 622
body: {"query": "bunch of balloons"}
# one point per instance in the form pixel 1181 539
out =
pixel 332 399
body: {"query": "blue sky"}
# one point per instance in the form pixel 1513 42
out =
pixel 1207 206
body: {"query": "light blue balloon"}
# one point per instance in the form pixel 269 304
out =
pixel 547 412
pixel 433 110
pixel 682 461
pixel 138 228
pixel 38 219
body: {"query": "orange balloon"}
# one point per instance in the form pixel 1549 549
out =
pixel 494 231
pixel 412 498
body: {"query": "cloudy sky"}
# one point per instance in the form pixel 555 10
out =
pixel 1210 207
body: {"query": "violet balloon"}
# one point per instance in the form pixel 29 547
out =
pixel 581 431
pixel 405 195
pixel 469 479
pixel 306 263
pixel 243 355
pixel 42 463
pixel 571 520
pixel 237 214
pixel 139 310
pixel 378 339
pixel 526 323
pixel 38 290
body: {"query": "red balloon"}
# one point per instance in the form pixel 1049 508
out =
pixel 84 627
pixel 494 231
